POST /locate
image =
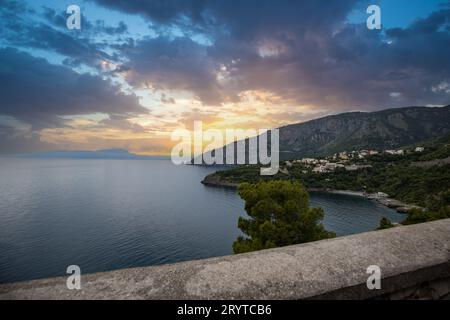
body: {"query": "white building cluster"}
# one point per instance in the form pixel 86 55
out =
pixel 323 165
pixel 341 160
pixel 361 154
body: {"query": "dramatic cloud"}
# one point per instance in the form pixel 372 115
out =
pixel 246 19
pixel 305 51
pixel 37 92
pixel 129 77
pixel 161 11
pixel 19 29
pixel 178 64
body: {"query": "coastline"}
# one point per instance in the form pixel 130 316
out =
pixel 213 181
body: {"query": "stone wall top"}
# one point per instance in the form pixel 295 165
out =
pixel 333 268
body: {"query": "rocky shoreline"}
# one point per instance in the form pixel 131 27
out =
pixel 212 180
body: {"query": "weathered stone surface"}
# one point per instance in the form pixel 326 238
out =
pixel 335 268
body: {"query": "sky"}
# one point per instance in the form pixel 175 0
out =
pixel 138 70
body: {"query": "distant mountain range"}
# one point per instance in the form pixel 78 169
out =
pixel 387 129
pixel 99 154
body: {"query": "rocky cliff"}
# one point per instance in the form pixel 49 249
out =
pixel 387 129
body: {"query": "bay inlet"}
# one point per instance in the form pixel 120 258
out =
pixel 110 214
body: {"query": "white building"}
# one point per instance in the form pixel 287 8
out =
pixel 333 166
pixel 419 149
pixel 395 152
pixel 309 161
pixel 319 169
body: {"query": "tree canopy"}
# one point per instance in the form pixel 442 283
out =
pixel 279 216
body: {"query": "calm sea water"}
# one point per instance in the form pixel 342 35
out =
pixel 110 214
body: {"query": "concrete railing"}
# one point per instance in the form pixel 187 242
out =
pixel 414 263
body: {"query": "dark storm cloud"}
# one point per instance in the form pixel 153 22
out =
pixel 50 33
pixel 180 64
pixel 161 11
pixel 37 92
pixel 243 17
pixel 42 36
pixel 236 31
pixel 302 50
pixel 399 69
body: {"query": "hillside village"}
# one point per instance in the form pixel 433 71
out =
pixel 415 177
pixel 344 160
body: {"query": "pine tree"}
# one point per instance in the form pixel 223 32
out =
pixel 279 216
